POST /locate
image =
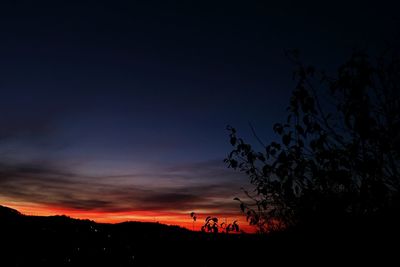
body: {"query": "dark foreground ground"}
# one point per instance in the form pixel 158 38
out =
pixel 62 241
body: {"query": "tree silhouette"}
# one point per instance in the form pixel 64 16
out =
pixel 337 153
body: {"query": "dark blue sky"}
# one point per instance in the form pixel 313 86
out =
pixel 136 89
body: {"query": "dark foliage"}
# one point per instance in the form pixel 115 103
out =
pixel 337 155
pixel 212 225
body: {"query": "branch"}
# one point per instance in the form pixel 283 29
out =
pixel 256 136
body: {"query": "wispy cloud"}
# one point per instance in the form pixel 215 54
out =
pixel 198 186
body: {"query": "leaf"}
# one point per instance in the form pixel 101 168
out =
pixel 299 129
pixel 242 207
pixel 286 139
pixel 289 118
pixel 266 170
pixel 233 163
pixel 313 145
pixel 276 145
pixel 310 70
pixel 261 157
pixel 231 129
pixel 233 140
pixel 296 190
pixel 278 128
pixel 306 120
pixel 300 143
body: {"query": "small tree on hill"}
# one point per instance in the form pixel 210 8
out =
pixel 193 215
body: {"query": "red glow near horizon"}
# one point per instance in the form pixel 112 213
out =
pixel 170 218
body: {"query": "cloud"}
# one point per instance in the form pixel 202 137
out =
pixel 199 186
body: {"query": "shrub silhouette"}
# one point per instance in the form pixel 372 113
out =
pixel 231 227
pixel 336 156
pixel 212 225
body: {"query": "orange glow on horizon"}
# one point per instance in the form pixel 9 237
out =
pixel 181 219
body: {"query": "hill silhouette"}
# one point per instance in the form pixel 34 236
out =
pixel 8 213
pixel 64 241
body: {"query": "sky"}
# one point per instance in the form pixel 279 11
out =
pixel 117 110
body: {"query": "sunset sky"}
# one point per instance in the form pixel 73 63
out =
pixel 117 111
